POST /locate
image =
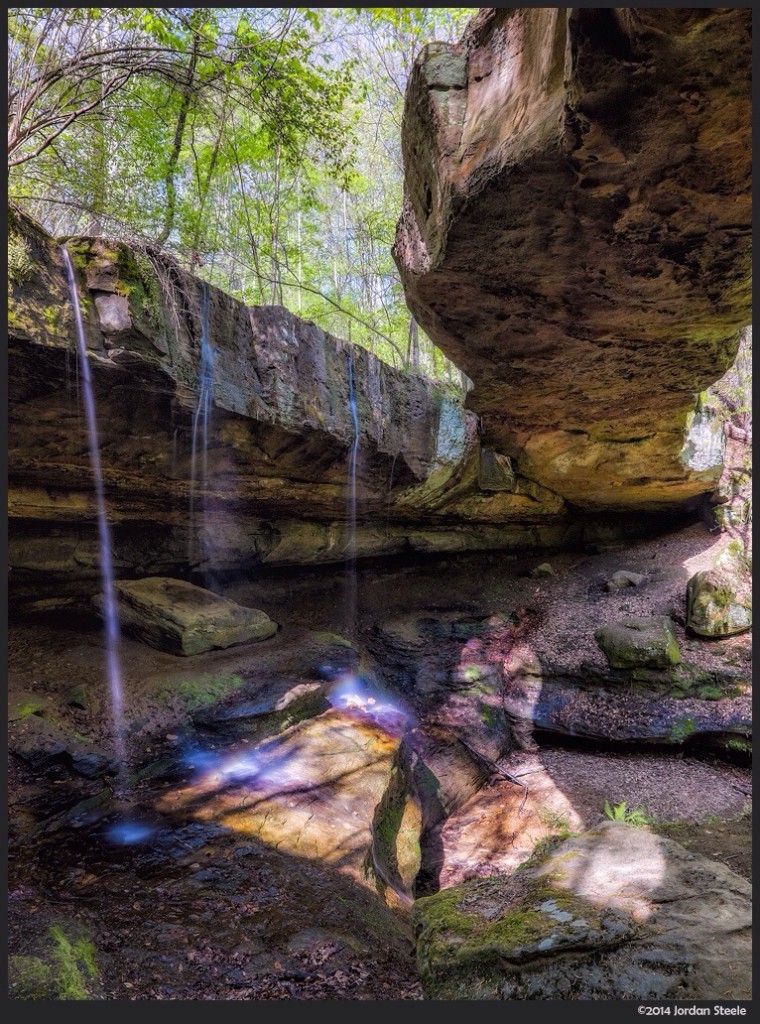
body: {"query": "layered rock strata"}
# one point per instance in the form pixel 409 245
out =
pixel 272 484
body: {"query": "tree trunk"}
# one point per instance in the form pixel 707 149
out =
pixel 179 134
pixel 413 346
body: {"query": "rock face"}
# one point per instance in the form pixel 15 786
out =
pixel 576 236
pixel 617 913
pixel 667 707
pixel 274 490
pixel 180 618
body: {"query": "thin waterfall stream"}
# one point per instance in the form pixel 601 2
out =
pixel 110 609
pixel 352 600
pixel 201 419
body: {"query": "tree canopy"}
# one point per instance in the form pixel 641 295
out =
pixel 259 146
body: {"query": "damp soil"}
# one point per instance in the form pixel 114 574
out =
pixel 200 911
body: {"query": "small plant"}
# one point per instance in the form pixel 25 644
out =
pixel 622 812
pixel 560 831
pixel 558 823
pixel 681 729
pixel 740 743
pixel 73 963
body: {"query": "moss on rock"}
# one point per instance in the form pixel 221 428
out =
pixel 68 969
pixel 203 690
pixel 639 642
pixel 469 936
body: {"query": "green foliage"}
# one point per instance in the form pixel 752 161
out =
pixel 630 815
pixel 25 710
pixel 20 261
pixel 260 146
pixel 560 831
pixel 740 744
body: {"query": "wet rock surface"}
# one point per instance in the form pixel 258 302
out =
pixel 311 791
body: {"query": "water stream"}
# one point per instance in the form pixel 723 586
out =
pixel 201 421
pixel 110 610
pixel 352 609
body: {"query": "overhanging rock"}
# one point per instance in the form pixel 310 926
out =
pixel 576 236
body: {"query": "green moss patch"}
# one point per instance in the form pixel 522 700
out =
pixel 21 263
pixel 469 935
pixel 67 970
pixel 201 691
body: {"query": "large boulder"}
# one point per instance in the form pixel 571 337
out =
pixel 180 618
pixel 575 235
pixel 616 913
pixel 719 599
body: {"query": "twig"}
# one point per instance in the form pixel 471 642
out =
pixel 493 765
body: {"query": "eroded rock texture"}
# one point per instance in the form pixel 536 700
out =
pixel 576 236
pixel 272 486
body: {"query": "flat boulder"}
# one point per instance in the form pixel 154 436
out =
pixel 180 618
pixel 615 913
pixel 313 791
pixel 639 642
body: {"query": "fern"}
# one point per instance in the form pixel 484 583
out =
pixel 621 812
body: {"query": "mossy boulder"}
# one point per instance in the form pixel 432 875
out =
pixel 616 913
pixel 639 642
pixel 476 939
pixel 719 599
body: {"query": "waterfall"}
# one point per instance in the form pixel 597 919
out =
pixel 110 610
pixel 351 584
pixel 201 419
